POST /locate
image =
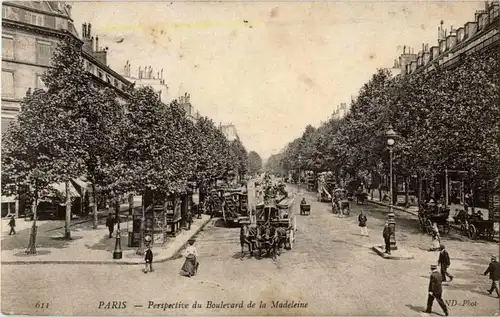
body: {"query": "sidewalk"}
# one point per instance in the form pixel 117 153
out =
pixel 88 246
pixel 411 210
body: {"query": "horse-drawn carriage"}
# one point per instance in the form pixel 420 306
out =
pixel 428 214
pixel 305 208
pixel 474 225
pixel 272 228
pixel 361 197
pixel 343 206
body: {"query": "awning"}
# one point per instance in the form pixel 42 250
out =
pixel 61 187
pixel 8 199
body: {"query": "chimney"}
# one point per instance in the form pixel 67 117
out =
pixel 84 30
pixel 97 43
pixel 162 73
pixel 89 33
pixel 87 39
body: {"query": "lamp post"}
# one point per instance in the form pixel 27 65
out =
pixel 391 139
pixel 117 252
pixel 300 163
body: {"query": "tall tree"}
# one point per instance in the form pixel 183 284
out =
pixel 27 156
pixel 254 163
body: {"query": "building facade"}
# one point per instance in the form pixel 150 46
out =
pixel 480 35
pixel 148 77
pixel 229 131
pixel 31 32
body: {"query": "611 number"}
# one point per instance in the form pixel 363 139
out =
pixel 41 305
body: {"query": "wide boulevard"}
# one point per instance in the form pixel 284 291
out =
pixel 331 270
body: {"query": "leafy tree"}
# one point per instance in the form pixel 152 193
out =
pixel 70 94
pixel 254 163
pixel 27 156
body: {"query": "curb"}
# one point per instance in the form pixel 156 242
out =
pixel 380 251
pixel 395 207
pixel 113 262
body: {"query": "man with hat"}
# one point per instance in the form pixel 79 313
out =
pixel 435 291
pixel 494 271
pixel 444 261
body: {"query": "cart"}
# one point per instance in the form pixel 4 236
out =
pixel 305 209
pixel 429 214
pixel 361 198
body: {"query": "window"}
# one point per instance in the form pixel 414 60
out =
pixel 8 84
pixel 43 53
pixel 99 74
pixel 90 68
pixel 7 47
pixel 5 12
pixel 50 22
pixel 36 19
pixel 39 83
pixel 116 83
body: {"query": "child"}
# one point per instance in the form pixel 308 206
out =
pixel 148 258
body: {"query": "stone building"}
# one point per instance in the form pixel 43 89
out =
pixel 147 76
pixel 229 131
pixel 31 32
pixel 482 34
pixel 30 35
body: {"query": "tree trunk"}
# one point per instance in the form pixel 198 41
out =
pixel 419 180
pixel 94 207
pixel 406 191
pixel 67 224
pixel 32 242
pixel 131 204
pixel 140 251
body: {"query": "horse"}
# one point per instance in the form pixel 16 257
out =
pixel 245 234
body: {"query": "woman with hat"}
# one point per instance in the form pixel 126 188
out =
pixel 190 266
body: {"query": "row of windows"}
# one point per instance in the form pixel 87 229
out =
pixel 107 78
pixel 18 14
pixel 44 50
pixel 8 87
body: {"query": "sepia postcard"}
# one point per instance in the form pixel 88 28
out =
pixel 250 158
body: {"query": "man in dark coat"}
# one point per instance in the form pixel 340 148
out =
pixel 444 262
pixel 148 258
pixel 387 237
pixel 110 223
pixel 12 225
pixel 362 223
pixel 435 291
pixel 494 271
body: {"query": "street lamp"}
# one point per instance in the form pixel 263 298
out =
pixel 117 252
pixel 391 136
pixel 300 163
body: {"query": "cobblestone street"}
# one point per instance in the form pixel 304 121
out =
pixel 331 268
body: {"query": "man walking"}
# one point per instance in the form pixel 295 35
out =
pixel 362 223
pixel 110 223
pixel 494 271
pixel 387 237
pixel 444 262
pixel 12 225
pixel 435 291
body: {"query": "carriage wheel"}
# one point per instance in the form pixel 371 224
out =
pixel 472 232
pixel 347 212
pixel 490 234
pixel 428 226
pixel 447 227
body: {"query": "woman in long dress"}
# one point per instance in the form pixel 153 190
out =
pixel 436 240
pixel 190 266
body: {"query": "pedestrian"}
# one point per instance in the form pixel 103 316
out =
pixel 12 225
pixel 190 266
pixel 435 291
pixel 362 223
pixel 148 259
pixel 494 271
pixel 436 239
pixel 387 237
pixel 444 261
pixel 110 223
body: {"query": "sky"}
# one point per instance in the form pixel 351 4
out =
pixel 270 68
